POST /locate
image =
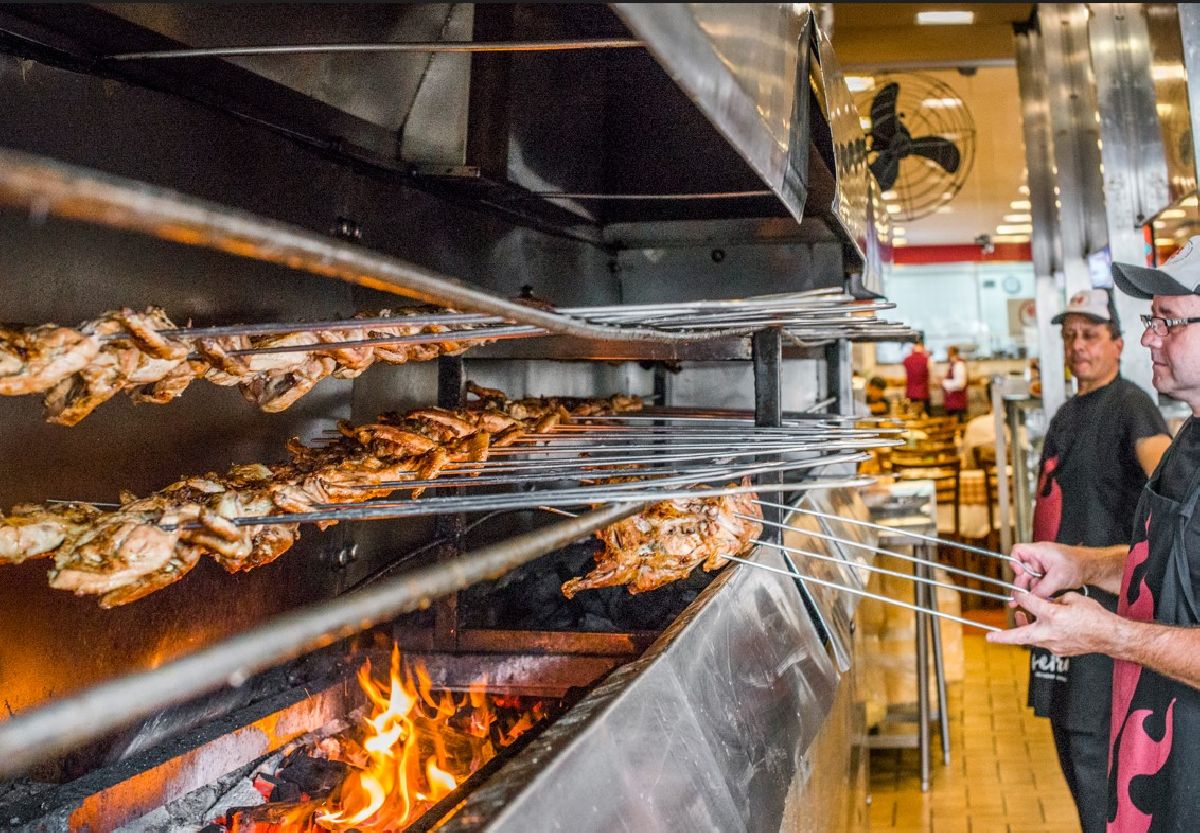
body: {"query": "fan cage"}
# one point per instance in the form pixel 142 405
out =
pixel 922 186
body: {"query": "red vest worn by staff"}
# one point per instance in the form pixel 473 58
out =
pixel 916 375
pixel 956 400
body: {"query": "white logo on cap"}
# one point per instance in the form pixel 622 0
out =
pixel 1182 254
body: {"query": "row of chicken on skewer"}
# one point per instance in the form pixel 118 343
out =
pixel 79 368
pixel 147 543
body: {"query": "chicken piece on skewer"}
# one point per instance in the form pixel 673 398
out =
pixel 135 355
pixel 666 541
pixel 121 547
pixel 181 562
pixel 32 530
pixel 170 386
pixel 278 392
pixel 35 359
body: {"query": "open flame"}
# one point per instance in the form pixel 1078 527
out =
pixel 418 746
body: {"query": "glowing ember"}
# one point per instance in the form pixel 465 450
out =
pixel 417 746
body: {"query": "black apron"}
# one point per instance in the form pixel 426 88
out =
pixel 1072 690
pixel 1154 759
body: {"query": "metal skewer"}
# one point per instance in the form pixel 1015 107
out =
pixel 895 530
pixel 880 551
pixel 864 593
pixel 884 571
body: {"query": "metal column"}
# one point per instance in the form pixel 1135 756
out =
pixel 1189 32
pixel 1071 94
pixel 767 350
pixel 1046 245
pixel 1135 166
pixel 451 394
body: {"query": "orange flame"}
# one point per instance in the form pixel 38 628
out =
pixel 419 746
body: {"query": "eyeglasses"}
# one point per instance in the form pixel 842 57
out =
pixel 1162 326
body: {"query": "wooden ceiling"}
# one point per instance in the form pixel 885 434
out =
pixel 977 62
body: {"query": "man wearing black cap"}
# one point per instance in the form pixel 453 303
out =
pixel 1154 751
pixel 1100 447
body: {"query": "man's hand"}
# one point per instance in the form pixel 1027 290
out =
pixel 1068 626
pixel 1045 568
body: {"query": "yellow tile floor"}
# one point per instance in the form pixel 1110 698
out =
pixel 1003 775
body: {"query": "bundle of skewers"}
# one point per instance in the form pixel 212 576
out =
pixel 147 357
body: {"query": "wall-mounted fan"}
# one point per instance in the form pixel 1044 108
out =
pixel 922 141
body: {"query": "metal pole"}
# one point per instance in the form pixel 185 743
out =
pixel 767 352
pixel 65 724
pixel 407 46
pixel 451 394
pixel 1004 499
pixel 1045 241
pixel 48 187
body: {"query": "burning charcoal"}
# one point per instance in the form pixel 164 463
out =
pixel 316 777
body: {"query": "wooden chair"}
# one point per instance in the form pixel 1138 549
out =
pixel 943 467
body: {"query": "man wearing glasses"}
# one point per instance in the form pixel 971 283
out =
pixel 1099 450
pixel 1154 728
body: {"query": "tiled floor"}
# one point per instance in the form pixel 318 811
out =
pixel 1003 775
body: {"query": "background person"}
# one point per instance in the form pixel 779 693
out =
pixel 954 385
pixel 877 403
pixel 916 377
pixel 1100 447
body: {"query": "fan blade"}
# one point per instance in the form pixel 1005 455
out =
pixel 885 168
pixel 883 115
pixel 939 149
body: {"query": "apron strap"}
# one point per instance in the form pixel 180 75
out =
pixel 1179 597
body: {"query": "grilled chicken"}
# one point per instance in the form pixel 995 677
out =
pixel 151 542
pixel 126 351
pixel 668 540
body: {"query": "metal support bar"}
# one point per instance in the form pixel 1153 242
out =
pixel 65 724
pixel 49 187
pixel 451 394
pixel 405 46
pixel 839 377
pixel 767 352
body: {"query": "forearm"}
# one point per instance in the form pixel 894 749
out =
pixel 1102 566
pixel 1171 651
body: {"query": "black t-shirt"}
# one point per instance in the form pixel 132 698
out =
pixel 1089 484
pixel 1093 439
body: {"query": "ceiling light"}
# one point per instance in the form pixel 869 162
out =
pixel 859 83
pixel 946 209
pixel 1021 205
pixel 940 103
pixel 899 241
pixel 1168 72
pixel 1018 218
pixel 1015 228
pixel 864 122
pixel 1172 214
pixel 1010 238
pixel 888 195
pixel 945 18
pixel 1189 202
pixel 899 231
pixel 1164 241
pixel 1183 231
pixel 1024 189
pixel 1164 108
pixel 893 209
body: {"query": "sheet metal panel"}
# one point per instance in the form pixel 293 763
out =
pixel 720 726
pixel 1135 168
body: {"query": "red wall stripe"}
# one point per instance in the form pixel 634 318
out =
pixel 961 253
